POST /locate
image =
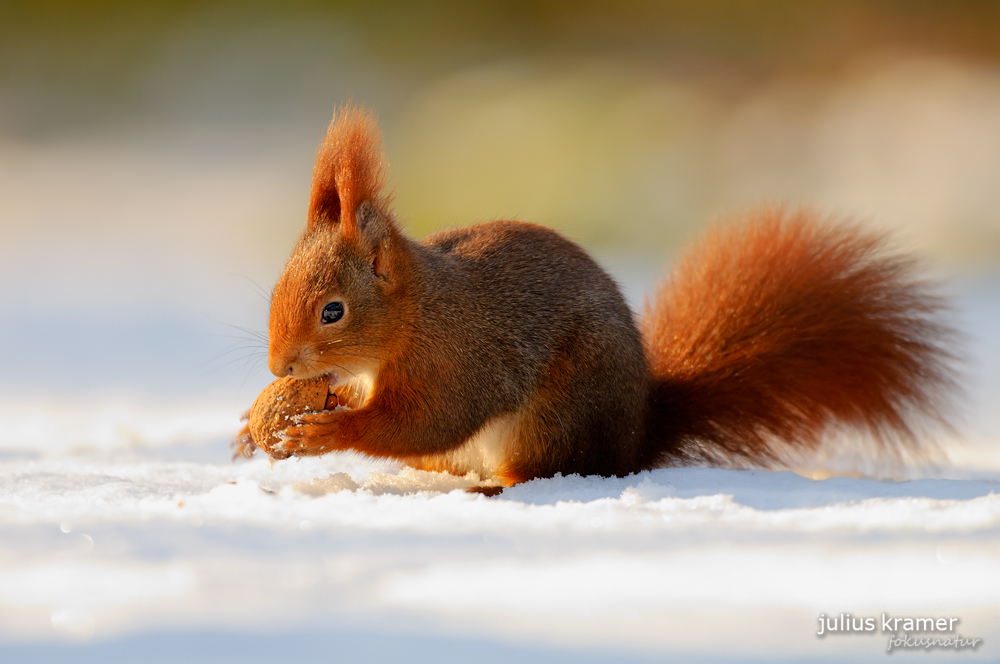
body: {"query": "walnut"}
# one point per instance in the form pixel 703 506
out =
pixel 278 404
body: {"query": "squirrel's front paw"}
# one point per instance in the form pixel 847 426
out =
pixel 243 445
pixel 313 434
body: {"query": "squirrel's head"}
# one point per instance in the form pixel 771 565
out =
pixel 336 304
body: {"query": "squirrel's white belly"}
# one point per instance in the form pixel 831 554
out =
pixel 486 453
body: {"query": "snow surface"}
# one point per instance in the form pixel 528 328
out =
pixel 111 552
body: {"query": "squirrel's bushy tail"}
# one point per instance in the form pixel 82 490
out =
pixel 775 329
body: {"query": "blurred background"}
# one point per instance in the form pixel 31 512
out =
pixel 155 161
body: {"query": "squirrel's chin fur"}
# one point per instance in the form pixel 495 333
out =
pixel 503 348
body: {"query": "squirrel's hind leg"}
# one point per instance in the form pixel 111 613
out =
pixel 488 491
pixel 582 419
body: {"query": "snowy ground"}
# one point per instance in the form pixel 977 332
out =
pixel 108 556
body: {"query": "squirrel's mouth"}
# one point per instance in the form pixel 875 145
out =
pixel 349 394
pixel 334 392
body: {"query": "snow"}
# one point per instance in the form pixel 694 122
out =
pixel 108 550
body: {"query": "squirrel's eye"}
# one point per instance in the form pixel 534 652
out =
pixel 332 312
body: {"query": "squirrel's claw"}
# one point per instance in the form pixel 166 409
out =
pixel 312 435
pixel 243 445
pixel 319 417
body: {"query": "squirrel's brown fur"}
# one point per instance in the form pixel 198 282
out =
pixel 504 349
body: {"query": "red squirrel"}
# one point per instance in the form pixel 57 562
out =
pixel 503 349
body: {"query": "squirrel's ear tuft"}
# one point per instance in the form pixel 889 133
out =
pixel 349 170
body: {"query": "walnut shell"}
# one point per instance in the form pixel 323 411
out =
pixel 278 403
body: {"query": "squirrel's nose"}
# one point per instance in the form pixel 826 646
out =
pixel 281 367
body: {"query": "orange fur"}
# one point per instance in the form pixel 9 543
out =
pixel 778 326
pixel 349 169
pixel 505 350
